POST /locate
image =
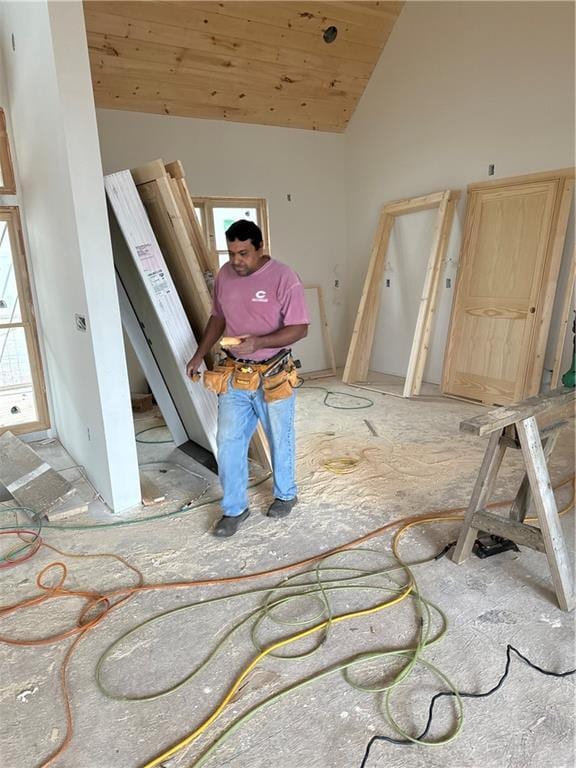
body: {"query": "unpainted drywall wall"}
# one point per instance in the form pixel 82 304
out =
pixel 60 177
pixel 300 173
pixel 459 86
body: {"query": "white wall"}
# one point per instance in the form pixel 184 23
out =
pixel 60 177
pixel 236 160
pixel 458 86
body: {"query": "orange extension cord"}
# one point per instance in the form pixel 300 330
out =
pixel 99 605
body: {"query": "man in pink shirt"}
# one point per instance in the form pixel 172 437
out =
pixel 261 301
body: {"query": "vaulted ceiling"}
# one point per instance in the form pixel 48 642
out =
pixel 261 62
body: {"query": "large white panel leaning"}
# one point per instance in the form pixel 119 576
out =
pixel 149 261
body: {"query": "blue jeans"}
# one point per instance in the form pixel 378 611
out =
pixel 238 414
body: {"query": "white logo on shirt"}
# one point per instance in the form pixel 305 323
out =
pixel 260 296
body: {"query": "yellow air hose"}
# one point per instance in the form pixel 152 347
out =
pixel 187 740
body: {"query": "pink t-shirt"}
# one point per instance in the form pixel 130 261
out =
pixel 261 303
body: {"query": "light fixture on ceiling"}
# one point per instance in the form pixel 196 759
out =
pixel 330 34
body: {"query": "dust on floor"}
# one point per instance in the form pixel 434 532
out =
pixel 417 461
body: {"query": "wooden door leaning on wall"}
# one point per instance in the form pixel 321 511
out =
pixel 509 261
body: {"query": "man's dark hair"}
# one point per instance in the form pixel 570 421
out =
pixel 245 230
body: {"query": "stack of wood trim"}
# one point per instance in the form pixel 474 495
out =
pixel 172 227
pixel 184 200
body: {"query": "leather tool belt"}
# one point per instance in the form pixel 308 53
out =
pixel 278 376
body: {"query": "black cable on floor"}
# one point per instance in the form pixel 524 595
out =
pixel 464 694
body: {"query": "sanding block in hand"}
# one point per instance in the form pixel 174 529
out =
pixel 230 341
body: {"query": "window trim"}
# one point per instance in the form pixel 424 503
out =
pixel 205 205
pixel 8 186
pixel 11 215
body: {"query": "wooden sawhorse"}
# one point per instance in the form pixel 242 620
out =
pixel 517 427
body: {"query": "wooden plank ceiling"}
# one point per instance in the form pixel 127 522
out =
pixel 256 62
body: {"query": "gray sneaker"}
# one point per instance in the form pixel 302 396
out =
pixel 281 507
pixel 228 525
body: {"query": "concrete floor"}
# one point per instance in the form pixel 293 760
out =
pixel 418 462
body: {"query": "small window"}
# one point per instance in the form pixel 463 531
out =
pixel 23 405
pixel 216 214
pixel 7 184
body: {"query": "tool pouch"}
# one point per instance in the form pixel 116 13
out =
pixel 217 380
pixel 246 378
pixel 279 386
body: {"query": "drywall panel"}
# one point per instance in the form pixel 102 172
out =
pixel 459 86
pixel 62 195
pixel 148 284
pixel 300 173
pixel 138 383
pixel 139 346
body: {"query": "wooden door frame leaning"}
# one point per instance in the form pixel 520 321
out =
pixel 177 175
pixel 517 427
pixel 565 316
pixel 168 220
pixel 550 243
pixel 358 360
pixel 155 188
pixel 328 346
